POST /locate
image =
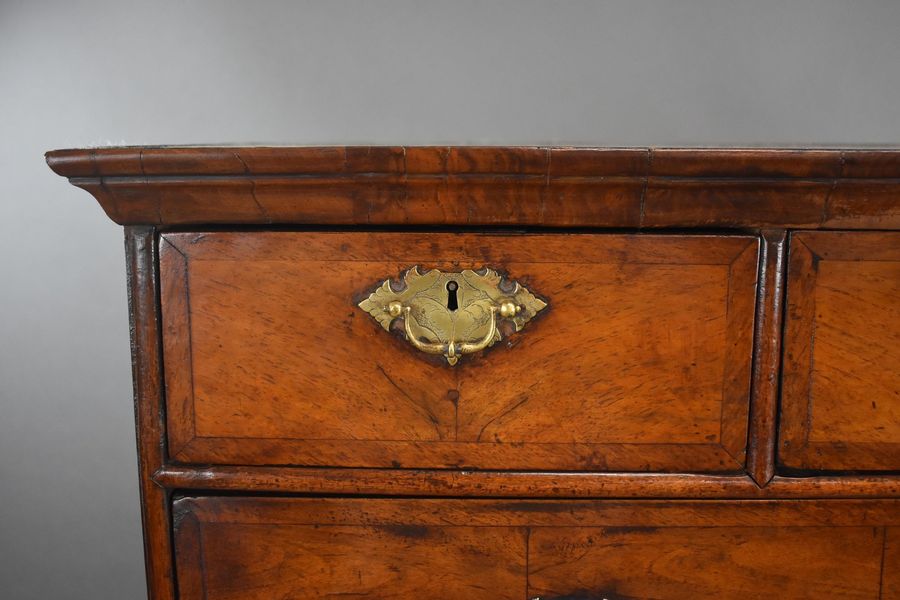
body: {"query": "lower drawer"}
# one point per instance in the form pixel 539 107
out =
pixel 290 548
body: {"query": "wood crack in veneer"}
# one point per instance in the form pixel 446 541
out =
pixel 707 406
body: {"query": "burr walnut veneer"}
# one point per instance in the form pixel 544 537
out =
pixel 524 373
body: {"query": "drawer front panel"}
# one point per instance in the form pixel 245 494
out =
pixel 640 361
pixel 249 548
pixel 841 393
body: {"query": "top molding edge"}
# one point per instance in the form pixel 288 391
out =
pixel 448 186
pixel 331 161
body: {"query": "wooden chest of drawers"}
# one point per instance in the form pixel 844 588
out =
pixel 512 372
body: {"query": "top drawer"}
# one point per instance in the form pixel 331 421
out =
pixel 639 362
pixel 840 406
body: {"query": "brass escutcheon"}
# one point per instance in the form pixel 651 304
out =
pixel 452 314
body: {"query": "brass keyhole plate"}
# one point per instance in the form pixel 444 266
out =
pixel 452 313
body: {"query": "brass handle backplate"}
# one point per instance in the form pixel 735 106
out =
pixel 452 314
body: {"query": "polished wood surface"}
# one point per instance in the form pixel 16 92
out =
pixel 708 408
pixel 890 560
pixel 536 186
pixel 143 287
pixel 841 399
pixel 333 548
pixel 766 368
pixel 296 557
pixel 269 361
pixel 706 562
pixel 518 484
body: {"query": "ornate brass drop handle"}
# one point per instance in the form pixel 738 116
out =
pixel 452 348
pixel 452 314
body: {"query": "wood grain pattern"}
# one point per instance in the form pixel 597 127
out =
pixel 538 186
pixel 324 548
pixel 890 564
pixel 705 562
pixel 143 285
pixel 268 360
pixel 327 561
pixel 434 482
pixel 841 398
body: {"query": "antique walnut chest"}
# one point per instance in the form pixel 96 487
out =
pixel 512 373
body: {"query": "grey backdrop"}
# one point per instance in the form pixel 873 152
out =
pixel 97 73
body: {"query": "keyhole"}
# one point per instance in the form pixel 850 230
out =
pixel 452 302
